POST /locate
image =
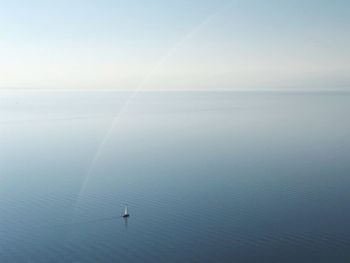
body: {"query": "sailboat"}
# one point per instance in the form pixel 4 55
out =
pixel 126 214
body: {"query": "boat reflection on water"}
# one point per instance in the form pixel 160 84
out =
pixel 126 216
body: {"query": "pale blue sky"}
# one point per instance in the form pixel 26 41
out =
pixel 179 44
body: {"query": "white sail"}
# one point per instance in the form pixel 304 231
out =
pixel 126 210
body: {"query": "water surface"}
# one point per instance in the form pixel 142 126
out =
pixel 208 177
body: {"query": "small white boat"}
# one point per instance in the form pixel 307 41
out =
pixel 126 214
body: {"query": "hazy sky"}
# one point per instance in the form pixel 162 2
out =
pixel 182 44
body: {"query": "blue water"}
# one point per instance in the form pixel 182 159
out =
pixel 207 176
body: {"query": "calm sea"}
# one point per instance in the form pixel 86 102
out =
pixel 207 176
